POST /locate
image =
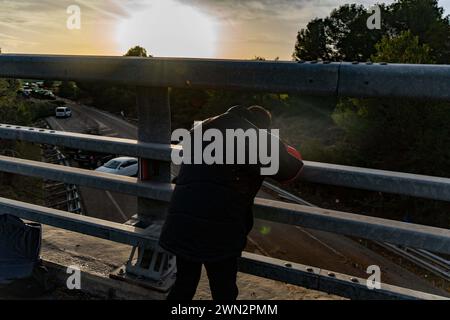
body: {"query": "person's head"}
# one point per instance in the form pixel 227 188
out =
pixel 260 117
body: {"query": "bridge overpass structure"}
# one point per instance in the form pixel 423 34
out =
pixel 153 77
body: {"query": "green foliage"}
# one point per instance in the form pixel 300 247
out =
pixel 425 19
pixel 348 37
pixel 398 134
pixel 68 89
pixel 344 35
pixel 41 109
pixel 341 36
pixel 312 43
pixel 391 134
pixel 404 48
pixel 137 51
pixel 14 110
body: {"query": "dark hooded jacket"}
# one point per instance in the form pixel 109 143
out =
pixel 210 214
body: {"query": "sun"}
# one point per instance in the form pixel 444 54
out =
pixel 167 28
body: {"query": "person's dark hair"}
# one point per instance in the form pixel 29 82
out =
pixel 260 116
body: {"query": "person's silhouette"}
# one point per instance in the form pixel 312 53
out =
pixel 210 214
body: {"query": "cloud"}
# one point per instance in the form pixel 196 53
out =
pixel 110 9
pixel 247 27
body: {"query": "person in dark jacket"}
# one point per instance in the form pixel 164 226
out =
pixel 210 214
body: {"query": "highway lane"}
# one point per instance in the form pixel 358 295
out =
pixel 310 247
pixel 102 204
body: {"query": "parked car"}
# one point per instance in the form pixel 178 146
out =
pixel 24 93
pixel 90 159
pixel 63 112
pixel 123 166
pixel 47 94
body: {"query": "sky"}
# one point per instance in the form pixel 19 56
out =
pixel 230 29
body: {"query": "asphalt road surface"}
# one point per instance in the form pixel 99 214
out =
pixel 310 247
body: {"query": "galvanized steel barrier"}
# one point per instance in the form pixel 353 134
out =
pixel 153 77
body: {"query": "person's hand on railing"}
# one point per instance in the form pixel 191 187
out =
pixel 291 164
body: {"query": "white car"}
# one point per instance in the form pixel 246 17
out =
pixel 123 166
pixel 63 112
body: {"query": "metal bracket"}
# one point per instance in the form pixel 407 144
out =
pixel 152 268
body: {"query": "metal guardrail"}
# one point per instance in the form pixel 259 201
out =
pixel 315 78
pixel 395 232
pixel 128 185
pixel 422 258
pixel 361 178
pixel 425 259
pixel 325 280
pixel 87 142
pixel 113 231
pixel 271 268
pixel 153 76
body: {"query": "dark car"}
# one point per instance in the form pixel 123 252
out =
pixel 90 159
pixel 43 94
pixel 24 93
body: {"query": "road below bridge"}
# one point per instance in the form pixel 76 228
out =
pixel 310 247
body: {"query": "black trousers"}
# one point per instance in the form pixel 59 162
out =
pixel 221 275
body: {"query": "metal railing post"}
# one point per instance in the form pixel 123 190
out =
pixel 154 127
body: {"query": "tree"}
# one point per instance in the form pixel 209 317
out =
pixel 137 51
pixel 344 35
pixel 67 89
pixel 15 110
pixel 11 109
pixel 398 134
pixel 348 35
pixel 425 19
pixel 312 42
pixel 404 48
pixel 341 36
